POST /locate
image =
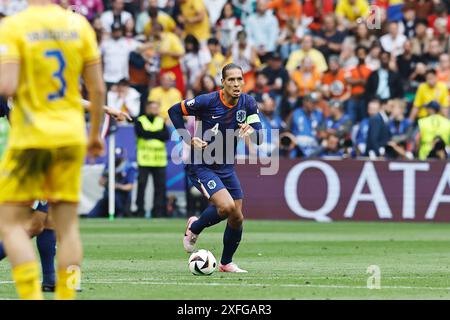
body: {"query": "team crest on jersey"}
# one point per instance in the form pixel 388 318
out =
pixel 211 184
pixel 241 115
pixel 190 103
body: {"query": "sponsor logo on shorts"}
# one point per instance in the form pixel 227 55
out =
pixel 211 184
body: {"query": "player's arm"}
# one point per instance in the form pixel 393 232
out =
pixel 9 59
pixel 252 126
pixel 187 108
pixel 9 78
pixel 115 113
pixel 92 75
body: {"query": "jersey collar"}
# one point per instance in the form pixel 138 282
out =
pixel 225 102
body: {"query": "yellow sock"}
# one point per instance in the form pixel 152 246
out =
pixel 26 277
pixel 67 283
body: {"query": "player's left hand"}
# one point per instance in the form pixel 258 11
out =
pixel 245 130
pixel 95 147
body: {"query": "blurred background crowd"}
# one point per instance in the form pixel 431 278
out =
pixel 339 78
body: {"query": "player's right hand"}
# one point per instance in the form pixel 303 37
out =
pixel 95 147
pixel 198 143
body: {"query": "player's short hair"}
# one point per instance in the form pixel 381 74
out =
pixel 213 41
pixel 230 66
pixel 430 71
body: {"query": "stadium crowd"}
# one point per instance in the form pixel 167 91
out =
pixel 339 78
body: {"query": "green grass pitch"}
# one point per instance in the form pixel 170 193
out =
pixel 144 259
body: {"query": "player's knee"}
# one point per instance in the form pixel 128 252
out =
pixel 35 228
pixel 227 209
pixel 236 220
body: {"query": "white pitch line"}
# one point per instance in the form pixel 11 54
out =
pixel 219 284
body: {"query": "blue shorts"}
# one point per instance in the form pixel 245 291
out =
pixel 41 206
pixel 209 179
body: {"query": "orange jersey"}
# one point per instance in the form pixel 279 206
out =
pixel 337 85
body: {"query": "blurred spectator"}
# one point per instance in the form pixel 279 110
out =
pixel 347 57
pixel 124 179
pixel 286 10
pixel 276 73
pixel 393 41
pixel 88 8
pixel 304 125
pixel 244 54
pixel 124 98
pixel 421 40
pixel 357 79
pixel 406 64
pixel 409 21
pixel 195 62
pixel 288 41
pixel 227 26
pixel 362 37
pixel 116 54
pixel 146 19
pixel 166 95
pixel 290 100
pixel 115 16
pixel 348 11
pixel 307 77
pixel 373 107
pixel 194 18
pixel 384 83
pixel 430 127
pixel 128 30
pixel 331 147
pixel 206 85
pixel 214 8
pixel 400 126
pixel 442 35
pixel 431 57
pixel 169 48
pixel 378 134
pixel 423 8
pixel 372 60
pixel 443 69
pixel 428 91
pixel 261 87
pixel 269 121
pixel 329 40
pixel 439 18
pixel 338 123
pixel 262 30
pixel 315 10
pixel 217 60
pixel 97 25
pixel 334 85
pixel 296 57
pixel 243 8
pixel 151 133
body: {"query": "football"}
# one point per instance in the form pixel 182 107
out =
pixel 202 263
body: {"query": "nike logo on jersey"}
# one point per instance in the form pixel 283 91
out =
pixel 215 117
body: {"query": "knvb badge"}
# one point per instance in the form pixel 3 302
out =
pixel 241 115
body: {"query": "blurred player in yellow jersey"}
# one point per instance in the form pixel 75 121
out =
pixel 44 51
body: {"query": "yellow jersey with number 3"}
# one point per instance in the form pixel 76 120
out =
pixel 52 46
